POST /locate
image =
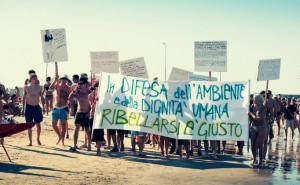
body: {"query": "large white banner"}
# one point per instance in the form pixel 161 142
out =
pixel 179 74
pixel 134 67
pixel 182 110
pixel 54 45
pixel 268 69
pixel 104 61
pixel 194 77
pixel 211 56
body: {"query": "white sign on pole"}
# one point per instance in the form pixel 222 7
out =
pixel 179 74
pixel 134 67
pixel 268 69
pixel 104 61
pixel 194 77
pixel 211 56
pixel 181 110
pixel 54 45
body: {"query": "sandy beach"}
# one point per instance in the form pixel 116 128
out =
pixel 56 164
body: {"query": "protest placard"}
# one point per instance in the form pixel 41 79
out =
pixel 54 45
pixel 179 74
pixel 104 61
pixel 268 69
pixel 194 77
pixel 181 110
pixel 211 56
pixel 134 67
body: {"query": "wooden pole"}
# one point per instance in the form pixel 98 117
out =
pixel 46 69
pixel 5 151
pixel 266 93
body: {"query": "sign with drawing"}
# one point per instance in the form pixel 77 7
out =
pixel 54 45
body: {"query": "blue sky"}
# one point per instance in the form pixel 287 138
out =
pixel 253 29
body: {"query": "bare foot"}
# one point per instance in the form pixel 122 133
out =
pixel 58 141
pixel 252 163
pixel 39 142
pixel 83 146
pixel 30 144
pixel 107 147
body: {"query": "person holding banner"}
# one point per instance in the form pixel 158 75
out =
pixel 32 97
pixel 81 92
pixel 60 110
pixel 98 134
pixel 259 128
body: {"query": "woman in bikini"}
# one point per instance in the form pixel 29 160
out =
pixel 48 95
pixel 259 128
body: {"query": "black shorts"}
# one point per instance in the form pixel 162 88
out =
pixel 82 119
pixel 33 113
pixel 279 113
pixel 183 142
pixel 98 135
pixel 113 132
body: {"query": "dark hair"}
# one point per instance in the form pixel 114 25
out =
pixel 76 77
pixel 48 78
pixel 12 96
pixel 70 81
pixel 31 71
pixel 83 74
pixel 84 80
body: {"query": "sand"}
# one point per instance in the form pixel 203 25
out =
pixel 56 164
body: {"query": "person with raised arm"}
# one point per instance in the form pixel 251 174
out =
pixel 61 102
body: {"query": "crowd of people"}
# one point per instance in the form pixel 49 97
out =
pixel 77 97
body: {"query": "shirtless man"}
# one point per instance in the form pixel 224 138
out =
pixel 32 97
pixel 270 104
pixel 81 92
pixel 60 110
pixel 278 112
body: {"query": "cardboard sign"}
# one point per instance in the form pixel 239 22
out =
pixel 211 56
pixel 194 77
pixel 54 45
pixel 134 67
pixel 179 74
pixel 105 61
pixel 268 69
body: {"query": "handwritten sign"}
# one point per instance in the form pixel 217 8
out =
pixel 211 56
pixel 54 45
pixel 105 61
pixel 268 69
pixel 134 67
pixel 179 74
pixel 194 77
pixel 181 110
